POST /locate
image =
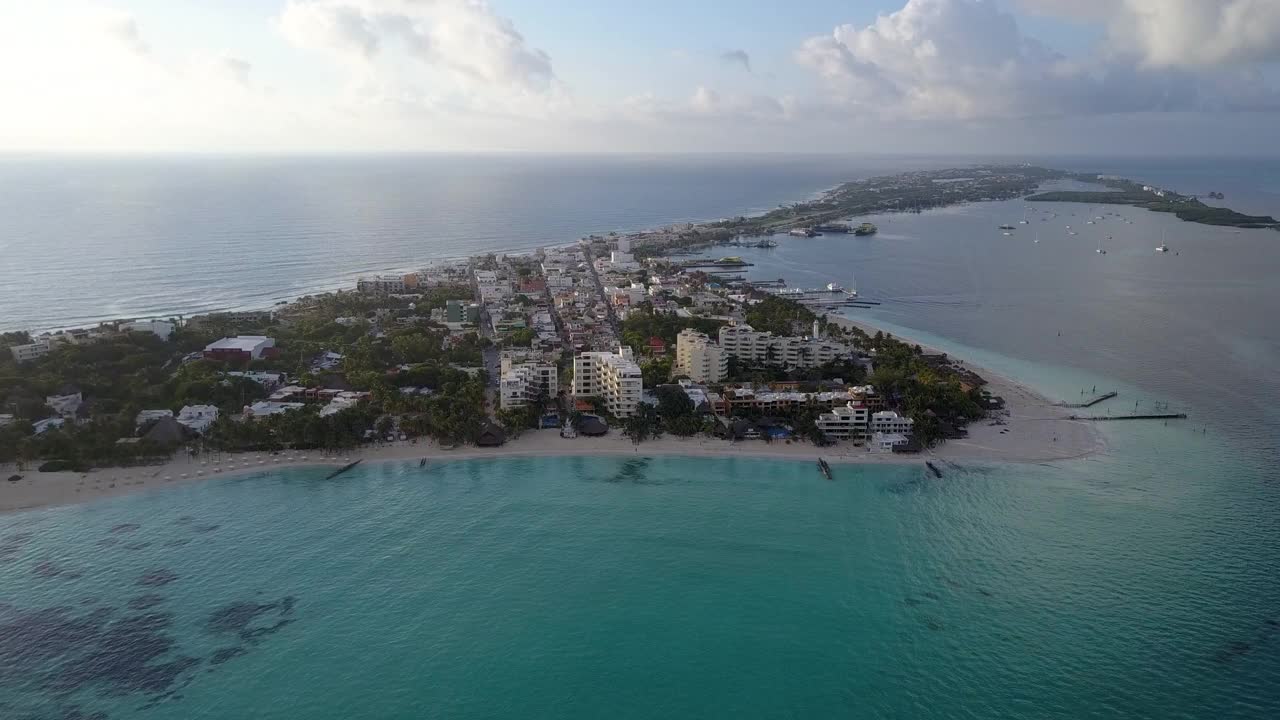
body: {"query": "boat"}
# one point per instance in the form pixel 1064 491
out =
pixel 802 232
pixel 1101 250
pixel 1006 233
pixel 1006 227
pixel 1023 221
pixel 865 228
pixel 1037 238
pixel 832 228
pixel 834 287
pixel 1162 248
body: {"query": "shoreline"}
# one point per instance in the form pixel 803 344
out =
pixel 1033 430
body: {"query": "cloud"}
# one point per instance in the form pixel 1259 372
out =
pixel 463 37
pixel 123 29
pixel 968 59
pixel 1180 33
pixel 737 57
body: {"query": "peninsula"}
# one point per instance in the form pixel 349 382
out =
pixel 1148 197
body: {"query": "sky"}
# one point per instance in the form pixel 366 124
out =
pixel 1178 77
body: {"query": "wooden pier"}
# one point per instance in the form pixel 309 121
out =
pixel 343 469
pixel 1094 401
pixel 1150 416
pixel 825 468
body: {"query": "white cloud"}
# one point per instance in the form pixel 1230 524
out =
pixel 464 37
pixel 968 59
pixel 1180 33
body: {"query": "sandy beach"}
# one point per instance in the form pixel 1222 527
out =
pixel 1035 430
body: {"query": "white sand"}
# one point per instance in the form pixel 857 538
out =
pixel 1036 431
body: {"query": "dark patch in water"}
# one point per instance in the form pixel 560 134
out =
pixel 145 602
pixel 157 578
pixel 205 528
pixel 933 624
pixel 48 569
pixel 931 596
pixel 108 542
pixel 250 621
pixel 125 528
pixel 225 654
pixel 12 546
pixel 1233 651
pixel 137 546
pixel 177 542
pixel 185 520
pixel 632 471
pixel 912 601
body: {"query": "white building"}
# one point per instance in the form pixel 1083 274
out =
pixel 198 417
pixel 342 401
pixel 613 376
pixel 251 347
pixel 7 419
pixel 159 328
pixel 700 358
pixel 888 421
pixel 886 442
pixel 31 351
pixel 43 426
pixel 263 409
pixel 382 285
pixel 65 405
pixel 744 342
pixel 146 416
pixel 268 380
pixel 847 422
pixel 522 383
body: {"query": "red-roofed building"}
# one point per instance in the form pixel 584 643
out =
pixel 657 346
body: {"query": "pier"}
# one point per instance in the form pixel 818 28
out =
pixel 825 468
pixel 1150 416
pixel 933 468
pixel 343 469
pixel 1094 401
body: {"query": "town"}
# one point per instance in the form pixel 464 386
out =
pixel 586 339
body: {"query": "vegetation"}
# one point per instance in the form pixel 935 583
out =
pixel 780 316
pixel 643 323
pixel 1185 208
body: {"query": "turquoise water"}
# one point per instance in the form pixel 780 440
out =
pixel 651 587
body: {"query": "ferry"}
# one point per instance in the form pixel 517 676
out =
pixel 802 232
pixel 1162 248
pixel 866 228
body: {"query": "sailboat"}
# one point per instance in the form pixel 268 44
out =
pixel 1037 238
pixel 1101 250
pixel 1023 221
pixel 1162 247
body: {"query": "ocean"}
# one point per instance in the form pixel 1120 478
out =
pixel 1138 583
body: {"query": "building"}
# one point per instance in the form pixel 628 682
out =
pixel 383 285
pixel 146 416
pixel 461 311
pixel 612 376
pixel 263 409
pixel 887 442
pixel 159 328
pixel 242 348
pixel 268 380
pixel 523 383
pixel 847 422
pixel 65 405
pixel 888 421
pixel 699 358
pixel 745 343
pixel 198 417
pixel 41 427
pixel 30 351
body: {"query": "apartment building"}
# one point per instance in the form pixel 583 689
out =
pixel 744 342
pixel 523 382
pixel 698 357
pixel 613 376
pixel 847 422
pixel 891 423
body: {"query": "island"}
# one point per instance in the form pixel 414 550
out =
pixel 1127 192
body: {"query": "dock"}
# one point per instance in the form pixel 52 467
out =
pixel 933 468
pixel 343 469
pixel 825 468
pixel 1150 416
pixel 1094 401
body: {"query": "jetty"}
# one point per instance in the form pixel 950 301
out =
pixel 1090 403
pixel 933 468
pixel 343 469
pixel 825 468
pixel 1148 416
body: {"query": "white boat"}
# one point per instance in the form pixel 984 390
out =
pixel 1162 248
pixel 834 287
pixel 1023 221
